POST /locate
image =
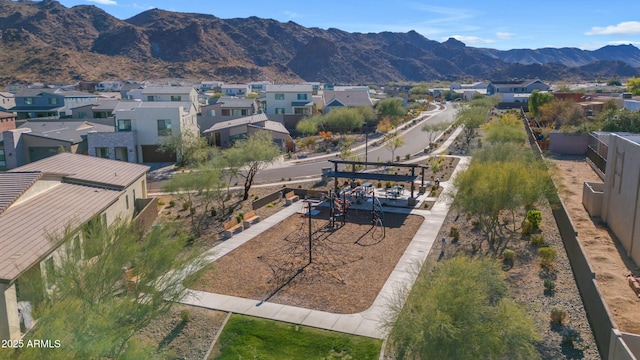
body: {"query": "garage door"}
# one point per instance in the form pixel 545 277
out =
pixel 150 154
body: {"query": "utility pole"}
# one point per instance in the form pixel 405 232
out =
pixel 310 234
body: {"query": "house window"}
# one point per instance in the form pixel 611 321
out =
pixel 176 98
pixel 153 98
pixel 279 96
pixel 302 96
pixel 212 112
pixel 126 200
pixel 301 111
pixel 53 101
pixel 226 112
pixel 102 152
pixel 280 111
pixel 124 125
pixel 164 127
pixel 3 159
pixel 82 115
pixel 28 101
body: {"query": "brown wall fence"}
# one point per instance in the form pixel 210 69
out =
pixel 302 193
pixel 148 212
pixel 597 311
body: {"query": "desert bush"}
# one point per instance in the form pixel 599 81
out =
pixel 549 284
pixel 185 315
pixel 508 254
pixel 214 213
pixel 186 205
pixel 570 336
pixel 454 232
pixel 172 203
pixel 160 203
pixel 192 210
pixel 526 227
pixel 547 256
pixel 558 314
pixel 534 217
pixel 537 240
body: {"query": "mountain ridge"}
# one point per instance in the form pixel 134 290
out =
pixel 46 41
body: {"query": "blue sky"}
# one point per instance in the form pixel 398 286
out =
pixel 587 24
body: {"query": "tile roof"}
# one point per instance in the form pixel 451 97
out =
pixel 272 126
pixel 289 88
pixel 14 185
pixel 348 97
pixel 84 168
pixel 27 227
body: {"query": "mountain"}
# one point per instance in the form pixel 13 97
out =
pixel 571 57
pixel 46 41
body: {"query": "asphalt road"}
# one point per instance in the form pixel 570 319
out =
pixel 415 142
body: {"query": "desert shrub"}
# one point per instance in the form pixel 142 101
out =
pixel 185 315
pixel 475 224
pixel 172 203
pixel 192 210
pixel 526 228
pixel 569 336
pixel 558 314
pixel 454 232
pixel 547 256
pixel 407 156
pixel 549 284
pixel 537 240
pixel 508 254
pixel 479 143
pixel 535 218
pixel 214 213
pixel 270 205
pixel 186 205
pixel 160 203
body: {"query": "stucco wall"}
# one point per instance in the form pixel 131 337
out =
pixel 568 144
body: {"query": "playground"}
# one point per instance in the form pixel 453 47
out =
pixel 353 252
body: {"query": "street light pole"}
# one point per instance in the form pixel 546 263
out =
pixel 366 147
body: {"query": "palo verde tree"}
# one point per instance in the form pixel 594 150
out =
pixel 506 128
pixel 461 309
pixel 344 120
pixel 620 120
pixel 633 86
pixel 391 109
pixel 189 147
pixel 471 117
pixel 500 182
pixel 252 155
pixel 90 308
pixel 432 129
pixel 537 99
pixel 392 141
pixel 307 127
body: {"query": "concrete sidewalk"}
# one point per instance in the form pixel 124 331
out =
pixel 366 323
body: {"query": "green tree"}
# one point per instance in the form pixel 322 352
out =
pixel 500 181
pixel 368 115
pixel 633 86
pixel 559 113
pixel 189 147
pixel 460 309
pixel 392 109
pixel 253 155
pixel 392 141
pixel 344 120
pixel 620 120
pixel 432 129
pixel 506 128
pixel 200 189
pixel 307 127
pixel 91 310
pixel 471 117
pixel 537 99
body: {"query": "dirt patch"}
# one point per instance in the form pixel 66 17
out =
pixel 178 339
pixel 349 265
pixel 607 258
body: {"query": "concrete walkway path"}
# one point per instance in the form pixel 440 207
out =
pixel 366 323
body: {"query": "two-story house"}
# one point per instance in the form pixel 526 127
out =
pixel 52 197
pixel 141 127
pixel 235 89
pixel 226 108
pixel 50 103
pixel 171 93
pixel 516 87
pixel 286 99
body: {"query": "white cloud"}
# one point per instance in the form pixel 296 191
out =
pixel 291 15
pixel 504 35
pixel 104 2
pixel 626 27
pixel 472 39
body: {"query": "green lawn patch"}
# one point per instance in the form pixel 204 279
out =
pixel 246 337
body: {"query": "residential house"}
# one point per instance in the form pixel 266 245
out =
pixel 259 86
pixel 516 87
pixel 315 86
pixel 102 110
pixel 225 133
pixel 38 139
pixel 210 85
pixel 346 98
pixel 132 90
pixel 226 108
pixel 47 198
pixel 50 103
pixel 7 101
pixel 109 86
pixel 171 93
pixel 235 89
pixel 289 99
pixel 145 126
pixel 479 85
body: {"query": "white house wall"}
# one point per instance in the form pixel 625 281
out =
pixel 621 193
